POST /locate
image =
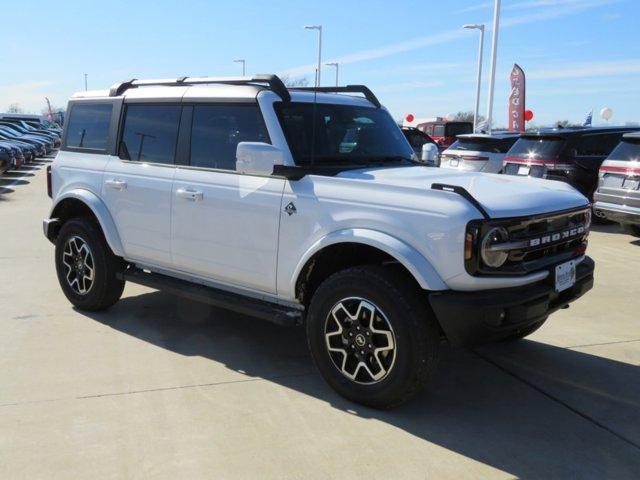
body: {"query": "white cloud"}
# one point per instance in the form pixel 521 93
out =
pixel 403 86
pixel 548 10
pixel 589 69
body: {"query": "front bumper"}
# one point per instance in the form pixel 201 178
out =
pixel 472 318
pixel 617 212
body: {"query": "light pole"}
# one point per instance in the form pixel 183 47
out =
pixel 478 26
pixel 337 65
pixel 494 53
pixel 243 62
pixel 319 28
pixel 85 82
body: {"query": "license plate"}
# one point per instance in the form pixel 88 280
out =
pixel 565 275
pixel 454 162
pixel 631 183
pixel 524 170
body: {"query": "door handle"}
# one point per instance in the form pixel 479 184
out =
pixel 192 195
pixel 117 184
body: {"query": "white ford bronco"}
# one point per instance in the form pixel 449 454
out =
pixel 307 206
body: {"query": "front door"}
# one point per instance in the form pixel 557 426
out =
pixel 224 224
pixel 137 185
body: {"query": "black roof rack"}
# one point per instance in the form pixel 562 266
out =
pixel 368 94
pixel 272 81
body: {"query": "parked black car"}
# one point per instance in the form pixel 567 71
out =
pixel 34 127
pixel 417 139
pixel 7 159
pixel 572 155
pixel 30 151
pixel 54 138
pixel 45 146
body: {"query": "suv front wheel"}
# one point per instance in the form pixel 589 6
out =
pixel 372 336
pixel 87 268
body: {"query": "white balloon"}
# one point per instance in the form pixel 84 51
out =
pixel 606 113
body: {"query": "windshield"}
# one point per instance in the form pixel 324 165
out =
pixel 546 148
pixel 343 134
pixel 626 151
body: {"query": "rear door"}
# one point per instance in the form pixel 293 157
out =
pixel 225 224
pixel 137 183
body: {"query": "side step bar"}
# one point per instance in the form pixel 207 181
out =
pixel 273 312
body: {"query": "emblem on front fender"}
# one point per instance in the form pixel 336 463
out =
pixel 290 209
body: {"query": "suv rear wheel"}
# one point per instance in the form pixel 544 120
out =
pixel 372 336
pixel 86 266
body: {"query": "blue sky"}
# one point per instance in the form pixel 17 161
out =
pixel 578 54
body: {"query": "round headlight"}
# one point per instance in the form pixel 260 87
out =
pixel 587 219
pixel 494 258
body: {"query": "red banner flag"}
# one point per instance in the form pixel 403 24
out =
pixel 517 99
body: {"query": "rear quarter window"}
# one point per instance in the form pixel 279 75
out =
pixel 88 126
pixel 626 151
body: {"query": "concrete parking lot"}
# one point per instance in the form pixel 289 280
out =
pixel 161 387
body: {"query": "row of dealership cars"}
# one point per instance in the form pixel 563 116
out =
pixel 23 139
pixel 603 163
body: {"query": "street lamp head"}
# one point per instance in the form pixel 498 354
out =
pixel 239 60
pixel 313 27
pixel 478 26
pixel 331 64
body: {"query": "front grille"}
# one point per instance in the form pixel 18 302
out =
pixel 539 241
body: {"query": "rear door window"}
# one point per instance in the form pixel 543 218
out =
pixel 88 126
pixel 150 133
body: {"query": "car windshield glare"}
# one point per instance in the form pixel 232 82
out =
pixel 344 134
pixel 537 148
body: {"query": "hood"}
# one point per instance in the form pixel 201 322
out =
pixel 500 195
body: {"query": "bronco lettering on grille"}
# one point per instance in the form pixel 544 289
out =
pixel 554 237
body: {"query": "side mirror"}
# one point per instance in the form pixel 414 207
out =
pixel 430 155
pixel 257 158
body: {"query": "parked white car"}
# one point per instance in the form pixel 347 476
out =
pixel 478 152
pixel 297 205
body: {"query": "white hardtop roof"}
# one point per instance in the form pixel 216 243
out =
pixel 212 92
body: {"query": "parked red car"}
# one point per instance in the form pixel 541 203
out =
pixel 444 132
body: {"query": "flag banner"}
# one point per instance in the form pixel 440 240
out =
pixel 517 99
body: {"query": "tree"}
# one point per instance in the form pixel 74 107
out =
pixel 565 124
pixel 294 82
pixel 14 108
pixel 467 116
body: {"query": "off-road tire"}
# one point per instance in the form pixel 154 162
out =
pixel 417 334
pixel 106 289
